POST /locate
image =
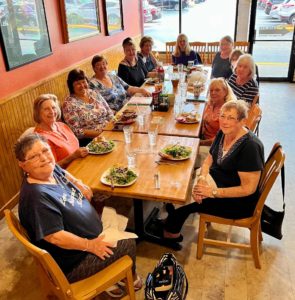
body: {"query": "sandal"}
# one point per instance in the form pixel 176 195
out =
pixel 115 291
pixel 137 283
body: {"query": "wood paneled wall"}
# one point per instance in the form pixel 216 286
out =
pixel 16 115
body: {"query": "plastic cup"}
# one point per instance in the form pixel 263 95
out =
pixel 140 119
pixel 190 63
pixel 131 160
pixel 127 134
pixel 182 77
pixel 180 68
pixel 175 83
pixel 152 133
pixel 158 87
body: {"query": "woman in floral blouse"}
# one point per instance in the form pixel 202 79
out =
pixel 114 89
pixel 85 111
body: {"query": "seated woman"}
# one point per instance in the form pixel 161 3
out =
pixel 221 66
pixel 85 111
pixel 63 143
pixel 242 82
pixel 235 162
pixel 55 209
pixel 233 58
pixel 219 93
pixel 183 53
pixel 132 68
pixel 114 90
pixel 146 45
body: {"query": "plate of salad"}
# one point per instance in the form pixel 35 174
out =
pixel 176 152
pixel 100 146
pixel 119 176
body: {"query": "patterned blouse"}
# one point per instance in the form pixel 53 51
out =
pixel 80 115
pixel 116 96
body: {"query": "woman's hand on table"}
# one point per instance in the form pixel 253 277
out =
pixel 81 152
pixel 145 92
pixel 85 189
pixel 100 248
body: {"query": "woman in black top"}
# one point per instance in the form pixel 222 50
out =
pixel 235 162
pixel 132 68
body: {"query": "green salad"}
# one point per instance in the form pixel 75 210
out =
pixel 120 176
pixel 177 151
pixel 100 147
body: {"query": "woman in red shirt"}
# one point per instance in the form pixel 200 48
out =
pixel 63 142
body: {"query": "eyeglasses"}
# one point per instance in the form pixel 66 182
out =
pixel 228 118
pixel 37 157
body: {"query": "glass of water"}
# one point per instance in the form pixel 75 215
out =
pixel 127 134
pixel 152 133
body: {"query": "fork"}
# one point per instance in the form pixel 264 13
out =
pixel 161 162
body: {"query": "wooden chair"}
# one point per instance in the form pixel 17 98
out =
pixel 212 49
pixel 242 45
pixel 170 46
pixel 201 48
pixel 254 118
pixel 268 177
pixel 53 279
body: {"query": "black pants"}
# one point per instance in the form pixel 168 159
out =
pixel 230 208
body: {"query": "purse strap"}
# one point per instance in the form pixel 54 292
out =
pixel 282 172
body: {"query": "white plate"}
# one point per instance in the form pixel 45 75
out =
pixel 107 172
pixel 96 153
pixel 168 157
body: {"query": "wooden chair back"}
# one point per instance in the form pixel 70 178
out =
pixel 212 49
pixel 269 174
pixel 170 46
pixel 242 45
pixel 254 118
pixel 55 282
pixel 201 48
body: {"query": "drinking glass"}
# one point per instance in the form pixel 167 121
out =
pixel 131 160
pixel 182 77
pixel 140 119
pixel 182 89
pixel 180 68
pixel 127 134
pixel 152 133
pixel 190 63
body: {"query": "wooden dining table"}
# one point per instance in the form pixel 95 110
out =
pixel 174 176
pixel 165 121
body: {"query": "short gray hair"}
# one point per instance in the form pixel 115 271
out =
pixel 26 143
pixel 38 103
pixel 248 59
pixel 240 106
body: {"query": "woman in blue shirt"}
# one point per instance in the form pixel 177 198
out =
pixel 183 53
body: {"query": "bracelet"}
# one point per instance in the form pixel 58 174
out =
pixel 87 245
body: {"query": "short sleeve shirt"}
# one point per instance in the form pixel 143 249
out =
pixel 45 209
pixel 246 155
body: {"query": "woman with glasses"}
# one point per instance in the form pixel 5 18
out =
pixel 243 81
pixel 221 66
pixel 55 209
pixel 63 143
pixel 228 183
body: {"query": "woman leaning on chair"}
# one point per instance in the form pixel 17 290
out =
pixel 221 66
pixel 114 90
pixel 55 209
pixel 183 52
pixel 84 110
pixel 63 143
pixel 233 166
pixel 243 82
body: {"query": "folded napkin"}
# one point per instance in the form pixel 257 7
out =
pixel 114 226
pixel 197 76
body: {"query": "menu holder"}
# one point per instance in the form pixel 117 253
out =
pixel 135 100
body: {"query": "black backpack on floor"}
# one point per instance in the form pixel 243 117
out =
pixel 168 280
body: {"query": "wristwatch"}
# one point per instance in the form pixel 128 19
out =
pixel 214 193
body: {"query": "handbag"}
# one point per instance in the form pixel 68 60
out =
pixel 167 281
pixel 272 220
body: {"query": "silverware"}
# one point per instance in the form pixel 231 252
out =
pixel 161 162
pixel 157 181
pixel 118 141
pixel 112 183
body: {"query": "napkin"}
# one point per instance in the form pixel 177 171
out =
pixel 197 76
pixel 114 226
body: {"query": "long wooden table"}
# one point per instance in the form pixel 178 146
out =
pixel 174 179
pixel 167 125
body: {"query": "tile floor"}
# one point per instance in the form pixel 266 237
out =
pixel 221 274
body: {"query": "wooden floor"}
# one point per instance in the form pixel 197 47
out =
pixel 221 274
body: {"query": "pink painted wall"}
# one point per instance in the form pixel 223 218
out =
pixel 65 55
